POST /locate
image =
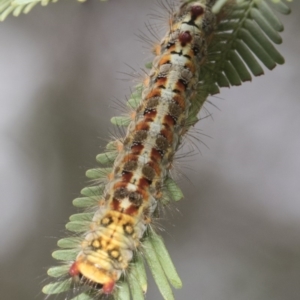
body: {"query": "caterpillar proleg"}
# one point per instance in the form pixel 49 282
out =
pixel 115 232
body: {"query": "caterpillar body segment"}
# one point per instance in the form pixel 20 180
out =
pixel 142 166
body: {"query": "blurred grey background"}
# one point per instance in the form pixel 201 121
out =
pixel 236 235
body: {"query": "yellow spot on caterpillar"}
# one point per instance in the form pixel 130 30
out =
pixel 115 253
pixel 105 221
pixel 96 244
pixel 128 229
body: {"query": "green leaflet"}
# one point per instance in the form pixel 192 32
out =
pixel 92 191
pixel 83 296
pixel 165 260
pixel 141 272
pixel 269 16
pixel 78 226
pixel 239 66
pixel 68 255
pixel 111 145
pixel 70 242
pixel 265 26
pixel 84 217
pixel 281 7
pixel 148 65
pixel 248 58
pixel 243 40
pixel 99 173
pixel 58 271
pixel 134 283
pixel 107 157
pixel 136 97
pixel 218 6
pixel 121 121
pixel 231 73
pixel 133 102
pixel 259 36
pixel 157 271
pixel 222 80
pixel 84 202
pixel 58 287
pixel 122 292
pixel 173 189
pixel 257 49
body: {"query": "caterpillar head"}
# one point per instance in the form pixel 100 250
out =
pixel 93 275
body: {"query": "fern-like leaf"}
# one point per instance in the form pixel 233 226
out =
pixel 16 7
pixel 244 39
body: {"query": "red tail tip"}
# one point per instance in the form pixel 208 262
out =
pixel 108 287
pixel 74 271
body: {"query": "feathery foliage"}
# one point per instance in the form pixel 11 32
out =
pixel 16 7
pixel 244 38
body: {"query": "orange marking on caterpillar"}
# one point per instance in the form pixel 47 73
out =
pixel 132 115
pixel 156 49
pixel 119 146
pixel 146 81
pixel 110 176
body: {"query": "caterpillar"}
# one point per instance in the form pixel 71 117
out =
pixel 131 195
pixel 133 188
pixel 145 156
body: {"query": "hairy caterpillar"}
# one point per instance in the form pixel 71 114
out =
pixel 140 170
pixel 145 156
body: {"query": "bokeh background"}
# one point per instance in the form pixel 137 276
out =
pixel 236 235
